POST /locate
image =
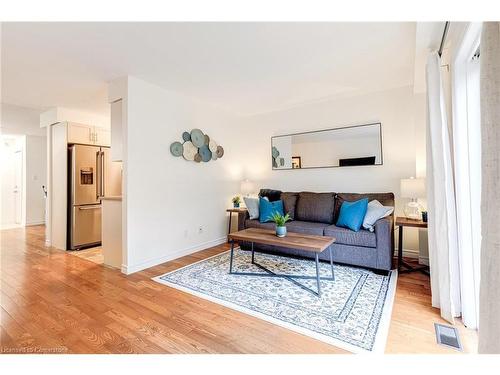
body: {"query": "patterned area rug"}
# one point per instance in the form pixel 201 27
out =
pixel 353 312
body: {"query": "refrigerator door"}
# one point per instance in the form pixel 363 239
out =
pixel 84 174
pixel 112 179
pixel 85 226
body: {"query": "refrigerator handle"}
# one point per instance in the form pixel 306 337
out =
pixel 102 174
pixel 98 175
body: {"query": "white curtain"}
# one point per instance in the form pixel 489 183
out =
pixel 489 310
pixel 466 105
pixel 442 226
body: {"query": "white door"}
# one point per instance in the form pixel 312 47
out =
pixel 11 181
pixel 18 186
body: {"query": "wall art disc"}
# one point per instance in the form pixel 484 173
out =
pixel 205 153
pixel 186 136
pixel 212 145
pixel 197 137
pixel 220 151
pixel 190 151
pixel 197 157
pixel 176 149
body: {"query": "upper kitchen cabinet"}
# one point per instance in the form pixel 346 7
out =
pixel 88 135
pixel 102 137
pixel 116 131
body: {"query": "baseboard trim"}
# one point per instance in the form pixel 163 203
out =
pixel 33 223
pixel 407 253
pixel 129 269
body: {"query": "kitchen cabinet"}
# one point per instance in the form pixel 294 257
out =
pixel 116 130
pixel 88 135
pixel 102 137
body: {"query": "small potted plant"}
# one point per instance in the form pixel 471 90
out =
pixel 236 201
pixel 280 222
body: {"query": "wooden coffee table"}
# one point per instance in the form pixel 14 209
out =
pixel 305 242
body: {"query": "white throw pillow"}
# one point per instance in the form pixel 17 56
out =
pixel 374 212
pixel 252 206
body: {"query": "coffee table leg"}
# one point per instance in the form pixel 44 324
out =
pixel 253 255
pixel 231 258
pixel 317 275
pixel 331 264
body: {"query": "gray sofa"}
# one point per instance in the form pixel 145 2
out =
pixel 317 213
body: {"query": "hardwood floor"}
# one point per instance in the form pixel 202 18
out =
pixel 52 302
pixel 94 254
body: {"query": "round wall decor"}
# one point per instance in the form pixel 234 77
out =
pixel 220 151
pixel 212 145
pixel 197 137
pixel 197 147
pixel 176 149
pixel 190 151
pixel 205 153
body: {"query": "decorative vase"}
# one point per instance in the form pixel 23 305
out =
pixel 424 216
pixel 281 231
pixel 236 205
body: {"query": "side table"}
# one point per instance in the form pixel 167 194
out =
pixel 402 222
pixel 231 211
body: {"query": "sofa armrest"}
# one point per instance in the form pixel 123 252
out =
pixel 384 230
pixel 242 216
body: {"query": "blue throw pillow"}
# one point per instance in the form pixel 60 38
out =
pixel 352 214
pixel 266 209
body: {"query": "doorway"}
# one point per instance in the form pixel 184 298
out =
pixel 12 168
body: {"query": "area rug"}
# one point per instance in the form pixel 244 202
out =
pixel 353 312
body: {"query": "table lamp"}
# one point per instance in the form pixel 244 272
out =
pixel 413 188
pixel 246 187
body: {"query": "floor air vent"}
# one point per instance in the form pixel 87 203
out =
pixel 447 336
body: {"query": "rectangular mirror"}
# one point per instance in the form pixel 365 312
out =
pixel 338 147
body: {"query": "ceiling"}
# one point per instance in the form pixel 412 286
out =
pixel 246 68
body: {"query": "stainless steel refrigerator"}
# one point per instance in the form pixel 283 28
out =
pixel 92 175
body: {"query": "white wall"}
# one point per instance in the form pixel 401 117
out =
pixel 20 120
pixel 24 123
pixel 35 177
pixel 395 109
pixel 167 199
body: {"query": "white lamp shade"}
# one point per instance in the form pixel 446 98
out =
pixel 413 188
pixel 246 187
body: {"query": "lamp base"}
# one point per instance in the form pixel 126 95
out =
pixel 413 211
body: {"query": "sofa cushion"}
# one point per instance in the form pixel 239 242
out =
pixel 255 223
pixel 306 227
pixel 316 207
pixel 272 195
pixel 289 203
pixel 387 199
pixel 346 236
